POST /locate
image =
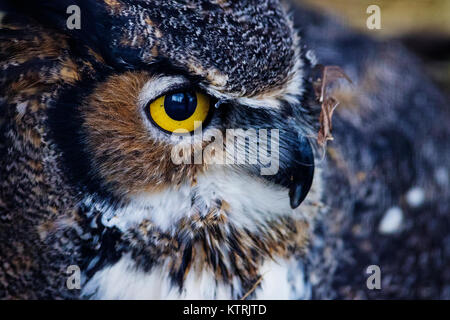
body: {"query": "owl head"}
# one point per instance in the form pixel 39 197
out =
pixel 222 84
pixel 170 110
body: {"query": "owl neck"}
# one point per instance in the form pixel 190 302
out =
pixel 201 245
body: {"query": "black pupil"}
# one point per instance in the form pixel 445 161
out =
pixel 180 106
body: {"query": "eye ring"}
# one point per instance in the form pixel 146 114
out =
pixel 181 111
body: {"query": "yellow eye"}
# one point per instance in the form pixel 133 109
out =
pixel 180 110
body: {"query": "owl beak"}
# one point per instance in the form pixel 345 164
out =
pixel 301 173
pixel 296 170
pixel 297 195
pixel 299 190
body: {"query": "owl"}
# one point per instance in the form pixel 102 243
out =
pixel 168 150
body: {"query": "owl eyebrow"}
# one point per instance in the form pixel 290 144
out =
pixel 164 67
pixel 159 85
pixel 268 103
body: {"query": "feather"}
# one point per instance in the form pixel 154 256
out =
pixel 330 74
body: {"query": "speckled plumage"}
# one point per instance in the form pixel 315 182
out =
pixel 86 181
pixel 77 103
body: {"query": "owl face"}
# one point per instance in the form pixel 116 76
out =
pixel 182 129
pixel 206 68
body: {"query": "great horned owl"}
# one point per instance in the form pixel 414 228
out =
pixel 88 176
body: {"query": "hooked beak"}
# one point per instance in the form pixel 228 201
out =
pixel 296 168
pixel 302 173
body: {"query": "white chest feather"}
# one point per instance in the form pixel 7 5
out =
pixel 280 280
pixel 252 203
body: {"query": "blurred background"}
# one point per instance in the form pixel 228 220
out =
pixel 406 140
pixel 422 25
